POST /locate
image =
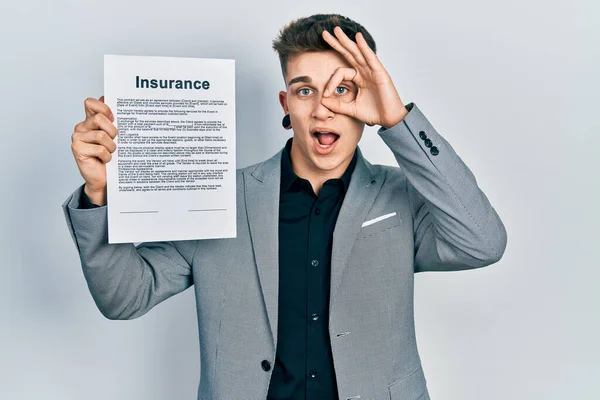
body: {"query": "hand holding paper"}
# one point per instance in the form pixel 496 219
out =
pixel 92 146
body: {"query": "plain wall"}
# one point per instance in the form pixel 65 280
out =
pixel 512 85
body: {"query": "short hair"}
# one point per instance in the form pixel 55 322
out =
pixel 305 35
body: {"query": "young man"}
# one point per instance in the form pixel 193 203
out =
pixel 314 297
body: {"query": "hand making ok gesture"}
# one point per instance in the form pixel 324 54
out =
pixel 377 101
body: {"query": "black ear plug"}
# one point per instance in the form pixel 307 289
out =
pixel 286 122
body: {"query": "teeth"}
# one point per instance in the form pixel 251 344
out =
pixel 323 146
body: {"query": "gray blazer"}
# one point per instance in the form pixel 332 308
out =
pixel 442 222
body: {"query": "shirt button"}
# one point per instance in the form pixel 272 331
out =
pixel 313 374
pixel 315 317
pixel 314 263
pixel 266 365
pixel 318 211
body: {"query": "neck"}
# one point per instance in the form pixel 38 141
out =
pixel 316 177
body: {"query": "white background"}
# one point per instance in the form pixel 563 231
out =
pixel 512 85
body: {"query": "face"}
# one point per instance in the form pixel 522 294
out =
pixel 324 142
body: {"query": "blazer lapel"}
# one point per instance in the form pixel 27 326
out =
pixel 362 191
pixel 261 190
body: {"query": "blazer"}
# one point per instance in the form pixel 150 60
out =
pixel 428 214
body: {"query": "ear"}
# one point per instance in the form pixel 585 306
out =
pixel 283 102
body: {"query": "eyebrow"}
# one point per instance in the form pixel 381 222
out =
pixel 305 79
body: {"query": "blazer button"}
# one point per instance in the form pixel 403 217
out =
pixel 266 365
pixel 422 135
pixel 428 142
pixel 434 151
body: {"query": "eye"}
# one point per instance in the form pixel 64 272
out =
pixel 341 90
pixel 304 92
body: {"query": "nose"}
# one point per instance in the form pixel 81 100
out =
pixel 320 111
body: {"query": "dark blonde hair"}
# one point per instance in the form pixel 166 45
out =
pixel 304 34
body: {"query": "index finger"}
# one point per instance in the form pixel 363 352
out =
pixel 93 107
pixel 340 75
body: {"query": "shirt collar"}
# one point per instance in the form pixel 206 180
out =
pixel 288 176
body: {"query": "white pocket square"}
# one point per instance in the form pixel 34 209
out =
pixel 374 220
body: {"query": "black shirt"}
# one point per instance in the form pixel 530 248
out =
pixel 303 362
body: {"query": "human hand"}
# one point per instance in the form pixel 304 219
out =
pixel 377 100
pixel 92 145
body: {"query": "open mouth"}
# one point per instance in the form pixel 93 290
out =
pixel 325 139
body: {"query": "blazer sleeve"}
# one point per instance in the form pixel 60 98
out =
pixel 455 226
pixel 126 281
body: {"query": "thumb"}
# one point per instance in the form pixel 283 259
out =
pixel 338 107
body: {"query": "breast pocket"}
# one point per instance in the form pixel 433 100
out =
pixel 380 226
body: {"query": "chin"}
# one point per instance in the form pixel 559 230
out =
pixel 327 163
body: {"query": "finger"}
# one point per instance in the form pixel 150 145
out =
pixel 370 56
pixel 350 45
pixel 97 121
pixel 341 74
pixel 336 45
pixel 93 106
pixel 96 137
pixel 339 107
pixel 83 151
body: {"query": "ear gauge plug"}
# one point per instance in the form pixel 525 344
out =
pixel 286 122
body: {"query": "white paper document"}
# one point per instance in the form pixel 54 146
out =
pixel 172 176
